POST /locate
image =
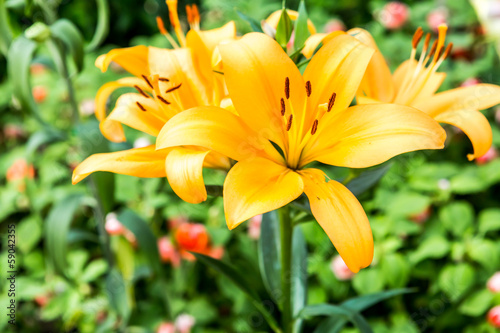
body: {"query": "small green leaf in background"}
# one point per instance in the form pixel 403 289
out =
pixel 144 236
pixel 301 29
pixel 93 270
pixel 5 31
pixel 396 270
pixel 253 23
pixel 489 220
pixel 284 29
pixel 270 254
pixel 477 303
pixel 18 66
pixel 434 247
pixel 70 36
pixel 367 179
pixel 29 232
pixel 342 312
pixel 368 281
pixel 299 273
pixel 456 217
pixel 455 280
pixel 115 289
pixel 485 252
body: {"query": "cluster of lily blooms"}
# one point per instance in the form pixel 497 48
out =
pixel 241 104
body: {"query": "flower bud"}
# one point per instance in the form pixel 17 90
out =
pixel 192 237
pixel 168 253
pixel 394 15
pixel 166 328
pixel 112 225
pixel 494 316
pixel 254 227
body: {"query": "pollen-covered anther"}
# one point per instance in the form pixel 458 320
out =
pixel 427 41
pixel 147 81
pixel 173 88
pixel 433 48
pixel 189 14
pixel 163 79
pixel 283 109
pixel 331 102
pixel 417 37
pixel 289 123
pixel 161 25
pixel 140 106
pixel 140 91
pixel 447 51
pixel 314 127
pixel 308 88
pixel 163 100
pixel 287 88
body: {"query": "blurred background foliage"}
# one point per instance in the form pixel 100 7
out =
pixel 435 216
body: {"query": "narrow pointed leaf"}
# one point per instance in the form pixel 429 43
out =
pixel 284 29
pixel 70 36
pixel 102 28
pixel 5 32
pixel 367 179
pixel 335 310
pixel 270 254
pixel 253 23
pixel 301 29
pixel 299 274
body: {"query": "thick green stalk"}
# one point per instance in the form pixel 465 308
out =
pixel 286 232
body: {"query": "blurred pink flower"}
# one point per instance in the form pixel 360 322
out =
pixel 334 25
pixel 12 131
pixel 289 45
pixel 112 225
pixel 490 155
pixel 168 253
pixel 175 222
pixel 422 217
pixel 494 316
pixel 184 323
pixel 436 18
pixel 340 269
pixel 166 328
pixel 493 283
pixel 42 300
pixel 39 93
pixel 254 227
pixel 216 252
pixel 394 15
pixel 470 82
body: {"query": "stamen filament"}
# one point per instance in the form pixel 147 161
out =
pixel 174 21
pixel 164 32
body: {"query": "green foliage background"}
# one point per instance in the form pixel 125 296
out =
pixel 93 286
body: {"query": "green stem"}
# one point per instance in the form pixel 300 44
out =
pixel 286 231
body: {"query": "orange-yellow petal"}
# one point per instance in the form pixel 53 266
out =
pixel 140 162
pixel 341 216
pixel 258 186
pixel 313 41
pixel 337 67
pixel 216 129
pixel 377 82
pixel 255 70
pixel 475 126
pixel 367 135
pixel 133 59
pixel 184 169
pixel 129 112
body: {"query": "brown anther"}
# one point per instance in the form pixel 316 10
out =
pixel 163 100
pixel 161 26
pixel 283 110
pixel 173 88
pixel 141 91
pixel 140 106
pixel 417 37
pixel 163 79
pixel 287 88
pixel 331 102
pixel 308 88
pixel 196 13
pixel 433 48
pixel 147 81
pixel 314 127
pixel 289 123
pixel 440 54
pixel 427 41
pixel 447 51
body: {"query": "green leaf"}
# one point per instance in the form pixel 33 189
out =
pixel 299 272
pixel 269 252
pixel 456 217
pixel 117 295
pixel 102 28
pixel 342 312
pixel 29 232
pixel 396 270
pixel 434 247
pixel 143 234
pixel 18 66
pixel 485 252
pixel 489 220
pixel 253 23
pixel 5 31
pixel 284 29
pixel 239 280
pixel 368 281
pixel 477 303
pixel 42 137
pixel 72 39
pixel 455 280
pixel 301 29
pixel 57 226
pixel 361 303
pixel 93 270
pixel 367 179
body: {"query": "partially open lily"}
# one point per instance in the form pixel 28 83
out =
pixel 167 82
pixel 415 83
pixel 308 117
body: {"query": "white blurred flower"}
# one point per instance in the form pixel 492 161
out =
pixel 184 323
pixel 444 184
pixel 493 283
pixel 142 142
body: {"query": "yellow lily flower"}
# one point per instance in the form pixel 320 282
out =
pixel 308 117
pixel 167 82
pixel 414 83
